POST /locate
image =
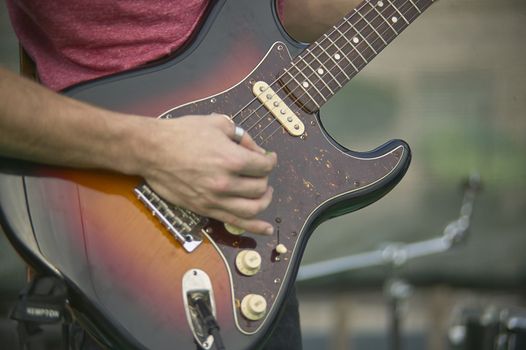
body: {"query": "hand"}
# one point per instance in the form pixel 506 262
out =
pixel 193 162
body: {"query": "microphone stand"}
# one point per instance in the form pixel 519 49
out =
pixel 398 254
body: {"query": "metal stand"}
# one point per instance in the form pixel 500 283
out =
pixel 398 254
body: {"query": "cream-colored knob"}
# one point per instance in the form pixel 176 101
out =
pixel 254 307
pixel 234 229
pixel 281 249
pixel 248 262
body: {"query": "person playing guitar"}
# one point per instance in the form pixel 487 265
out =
pixel 204 162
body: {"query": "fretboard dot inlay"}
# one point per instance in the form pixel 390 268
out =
pixel 341 53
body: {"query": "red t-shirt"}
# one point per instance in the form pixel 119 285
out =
pixel 77 40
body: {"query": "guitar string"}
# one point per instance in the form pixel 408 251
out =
pixel 363 64
pixel 348 65
pixel 281 76
pixel 352 26
pixel 327 37
pixel 318 43
pixel 333 44
pixel 357 63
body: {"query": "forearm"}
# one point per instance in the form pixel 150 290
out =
pixel 39 125
pixel 307 20
pixel 203 170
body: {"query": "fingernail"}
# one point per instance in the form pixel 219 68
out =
pixel 269 153
pixel 269 231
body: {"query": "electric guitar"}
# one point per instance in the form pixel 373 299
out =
pixel 140 270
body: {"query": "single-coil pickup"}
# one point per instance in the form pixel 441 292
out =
pixel 278 108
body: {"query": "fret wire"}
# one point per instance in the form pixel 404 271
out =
pixel 416 7
pixel 390 11
pixel 406 8
pixel 414 4
pixel 321 78
pixel 364 37
pixel 333 58
pixel 357 33
pixel 303 88
pixel 377 29
pixel 344 55
pixel 356 49
pixel 353 46
pixel 382 16
pixel 328 70
pixel 387 32
pixel 310 82
pixel 332 42
pixel 316 58
pixel 366 21
pixel 400 13
pixel 309 51
pixel 336 64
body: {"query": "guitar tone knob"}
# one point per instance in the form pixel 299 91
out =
pixel 248 262
pixel 253 307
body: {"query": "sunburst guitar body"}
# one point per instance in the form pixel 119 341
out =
pixel 134 264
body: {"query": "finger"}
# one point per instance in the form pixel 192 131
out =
pixel 250 163
pixel 256 226
pixel 237 133
pixel 248 142
pixel 247 187
pixel 250 160
pixel 245 208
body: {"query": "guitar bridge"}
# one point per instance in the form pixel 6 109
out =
pixel 183 224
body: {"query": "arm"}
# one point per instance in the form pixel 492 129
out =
pixel 307 20
pixel 204 171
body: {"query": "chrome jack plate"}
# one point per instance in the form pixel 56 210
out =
pixel 197 284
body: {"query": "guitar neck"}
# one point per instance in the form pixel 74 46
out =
pixel 323 68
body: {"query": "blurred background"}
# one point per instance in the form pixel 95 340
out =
pixel 453 86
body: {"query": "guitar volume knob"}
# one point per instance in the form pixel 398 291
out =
pixel 254 307
pixel 248 262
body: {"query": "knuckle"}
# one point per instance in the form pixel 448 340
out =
pixel 204 203
pixel 262 187
pixel 222 120
pixel 233 220
pixel 250 211
pixel 235 164
pixel 255 208
pixel 269 165
pixel 220 184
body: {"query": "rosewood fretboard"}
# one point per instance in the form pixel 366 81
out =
pixel 330 62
